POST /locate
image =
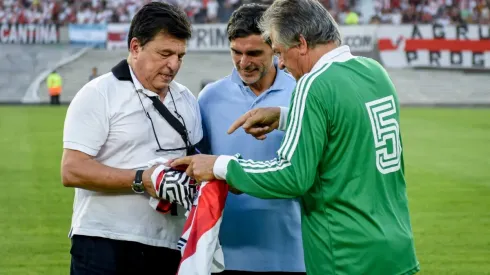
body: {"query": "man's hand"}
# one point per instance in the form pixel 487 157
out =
pixel 199 167
pixel 258 122
pixel 149 187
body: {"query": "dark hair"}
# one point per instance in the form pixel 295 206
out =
pixel 245 21
pixel 156 17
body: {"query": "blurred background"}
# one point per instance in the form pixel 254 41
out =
pixel 437 53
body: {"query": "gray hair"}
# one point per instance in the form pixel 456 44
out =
pixel 291 18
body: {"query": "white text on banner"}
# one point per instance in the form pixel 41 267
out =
pixel 29 34
pixel 209 37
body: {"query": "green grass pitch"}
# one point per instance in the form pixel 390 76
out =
pixel 447 161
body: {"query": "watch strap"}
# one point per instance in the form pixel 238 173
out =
pixel 138 178
pixel 137 185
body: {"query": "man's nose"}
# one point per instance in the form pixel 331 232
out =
pixel 244 61
pixel 173 62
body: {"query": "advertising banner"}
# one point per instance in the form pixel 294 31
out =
pixel 209 37
pixel 439 46
pixel 399 46
pixel 359 38
pixel 29 34
pixel 213 37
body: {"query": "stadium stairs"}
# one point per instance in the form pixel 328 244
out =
pixel 196 69
pixel 21 65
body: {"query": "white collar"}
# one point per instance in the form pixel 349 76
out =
pixel 339 54
pixel 175 88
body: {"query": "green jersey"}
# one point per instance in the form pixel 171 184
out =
pixel 342 156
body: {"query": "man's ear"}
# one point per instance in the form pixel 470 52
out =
pixel 303 45
pixel 134 46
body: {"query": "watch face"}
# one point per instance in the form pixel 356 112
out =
pixel 139 188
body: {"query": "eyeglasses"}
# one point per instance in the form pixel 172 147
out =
pixel 189 147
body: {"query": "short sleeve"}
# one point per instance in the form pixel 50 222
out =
pixel 197 132
pixel 202 100
pixel 87 121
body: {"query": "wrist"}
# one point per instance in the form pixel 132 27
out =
pixel 148 178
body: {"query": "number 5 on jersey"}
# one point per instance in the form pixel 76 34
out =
pixel 386 132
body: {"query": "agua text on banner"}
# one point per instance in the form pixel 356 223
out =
pixel 436 46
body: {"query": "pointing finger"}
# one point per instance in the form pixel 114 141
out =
pixel 239 122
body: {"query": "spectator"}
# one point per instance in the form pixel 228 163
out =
pixel 94 74
pixel 54 82
pixel 212 11
pixel 351 17
pixel 219 11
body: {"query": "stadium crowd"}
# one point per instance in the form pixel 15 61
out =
pixel 217 11
pixel 432 11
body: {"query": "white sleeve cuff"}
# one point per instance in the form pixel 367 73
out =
pixel 79 147
pixel 283 119
pixel 220 168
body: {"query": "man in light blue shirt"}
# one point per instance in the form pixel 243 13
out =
pixel 260 236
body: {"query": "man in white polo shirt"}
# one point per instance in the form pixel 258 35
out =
pixel 114 126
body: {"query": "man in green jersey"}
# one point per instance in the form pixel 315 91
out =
pixel 341 153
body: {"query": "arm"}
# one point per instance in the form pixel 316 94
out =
pixel 293 172
pixel 85 132
pixel 80 170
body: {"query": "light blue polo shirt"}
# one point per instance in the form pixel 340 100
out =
pixel 256 234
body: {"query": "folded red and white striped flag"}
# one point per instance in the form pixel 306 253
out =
pixel 199 245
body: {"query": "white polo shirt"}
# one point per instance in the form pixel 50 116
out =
pixel 106 120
